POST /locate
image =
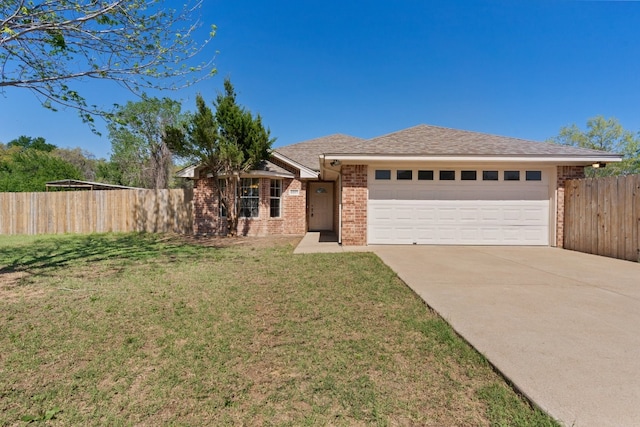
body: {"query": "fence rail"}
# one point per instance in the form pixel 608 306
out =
pixel 96 211
pixel 602 216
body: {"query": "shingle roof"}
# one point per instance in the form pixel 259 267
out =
pixel 439 141
pixel 307 153
pixel 426 140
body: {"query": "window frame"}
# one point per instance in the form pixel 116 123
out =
pixel 382 175
pixel 486 177
pixel 515 172
pixel 425 175
pixel 253 199
pixel 404 174
pixel 533 175
pixel 468 175
pixel 440 175
pixel 278 198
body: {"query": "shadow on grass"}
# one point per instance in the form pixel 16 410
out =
pixel 53 253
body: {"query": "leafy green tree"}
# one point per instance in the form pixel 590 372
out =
pixel 608 135
pixel 226 143
pixel 46 45
pixel 30 169
pixel 38 143
pixel 139 141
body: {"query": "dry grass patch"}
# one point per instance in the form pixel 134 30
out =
pixel 153 330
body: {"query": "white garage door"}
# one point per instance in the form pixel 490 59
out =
pixel 458 206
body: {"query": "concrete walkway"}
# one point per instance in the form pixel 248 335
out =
pixel 563 326
pixel 325 242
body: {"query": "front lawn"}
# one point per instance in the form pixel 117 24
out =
pixel 124 329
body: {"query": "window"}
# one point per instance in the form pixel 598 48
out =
pixel 274 201
pixel 425 175
pixel 512 175
pixel 534 175
pixel 222 187
pixel 383 174
pixel 468 175
pixel 489 175
pixel 404 175
pixel 249 197
pixel 447 175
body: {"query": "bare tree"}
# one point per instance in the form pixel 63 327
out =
pixel 138 133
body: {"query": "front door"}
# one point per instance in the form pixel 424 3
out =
pixel 320 206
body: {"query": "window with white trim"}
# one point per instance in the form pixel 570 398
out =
pixel 275 198
pixel 383 174
pixel 512 175
pixel 404 174
pixel 249 197
pixel 533 175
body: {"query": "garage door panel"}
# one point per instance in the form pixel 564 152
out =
pixel 404 213
pixel 460 212
pixel 426 213
pixel 477 222
pixel 438 191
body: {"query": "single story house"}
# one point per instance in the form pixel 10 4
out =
pixel 422 185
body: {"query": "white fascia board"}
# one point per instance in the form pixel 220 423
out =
pixel 305 172
pixel 556 160
pixel 267 174
pixel 189 172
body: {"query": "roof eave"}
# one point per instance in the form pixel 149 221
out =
pixel 190 172
pixel 547 159
pixel 305 172
pixel 268 174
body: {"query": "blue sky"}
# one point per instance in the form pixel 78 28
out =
pixel 367 68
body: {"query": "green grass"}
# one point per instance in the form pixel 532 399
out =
pixel 129 329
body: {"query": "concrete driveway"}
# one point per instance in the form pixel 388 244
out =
pixel 563 326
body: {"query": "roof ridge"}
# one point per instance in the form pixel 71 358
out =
pixel 475 132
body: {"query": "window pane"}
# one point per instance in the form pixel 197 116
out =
pixel 512 175
pixel 274 208
pixel 249 197
pixel 489 175
pixel 383 174
pixel 468 175
pixel 274 201
pixel 276 188
pixel 425 175
pixel 447 175
pixel 534 175
pixel 404 174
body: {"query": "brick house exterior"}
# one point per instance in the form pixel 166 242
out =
pixel 346 163
pixel 565 173
pixel 354 205
pixel 208 221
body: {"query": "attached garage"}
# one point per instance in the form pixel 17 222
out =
pixel 459 206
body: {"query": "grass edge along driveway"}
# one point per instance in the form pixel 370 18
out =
pixel 144 329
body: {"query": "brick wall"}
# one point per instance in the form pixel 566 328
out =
pixel 206 220
pixel 564 173
pixel 292 215
pixel 354 205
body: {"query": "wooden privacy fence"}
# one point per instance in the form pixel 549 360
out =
pixel 602 216
pixel 96 211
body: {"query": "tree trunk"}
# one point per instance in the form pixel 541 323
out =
pixel 234 202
